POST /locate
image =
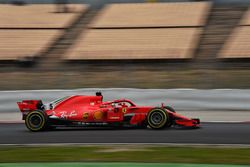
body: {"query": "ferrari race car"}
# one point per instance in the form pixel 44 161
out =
pixel 80 110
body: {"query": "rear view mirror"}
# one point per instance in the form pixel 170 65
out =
pixel 50 106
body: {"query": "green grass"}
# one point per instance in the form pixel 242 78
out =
pixel 147 154
pixel 111 165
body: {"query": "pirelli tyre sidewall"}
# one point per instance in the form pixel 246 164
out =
pixel 157 118
pixel 36 121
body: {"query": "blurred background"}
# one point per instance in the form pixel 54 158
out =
pixel 64 44
pixel 155 44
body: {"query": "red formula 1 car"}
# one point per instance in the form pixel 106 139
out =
pixel 82 110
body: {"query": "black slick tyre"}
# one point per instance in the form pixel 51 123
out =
pixel 157 118
pixel 36 121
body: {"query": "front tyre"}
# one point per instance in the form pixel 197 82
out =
pixel 157 118
pixel 36 121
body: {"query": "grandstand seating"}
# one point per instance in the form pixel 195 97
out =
pixel 26 31
pixel 152 15
pixel 37 16
pixel 16 44
pixel 245 21
pixel 136 44
pixel 237 46
pixel 142 31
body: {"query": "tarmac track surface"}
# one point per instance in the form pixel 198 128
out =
pixel 209 133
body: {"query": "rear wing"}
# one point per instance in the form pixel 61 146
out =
pixel 30 105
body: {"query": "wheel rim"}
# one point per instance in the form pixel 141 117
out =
pixel 157 118
pixel 35 121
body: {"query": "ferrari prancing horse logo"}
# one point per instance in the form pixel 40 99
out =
pixel 124 110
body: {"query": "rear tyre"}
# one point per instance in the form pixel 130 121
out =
pixel 157 118
pixel 36 121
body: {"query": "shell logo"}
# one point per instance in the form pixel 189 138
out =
pixel 98 115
